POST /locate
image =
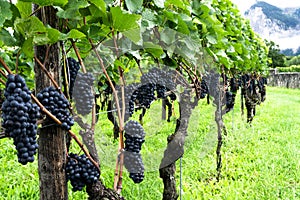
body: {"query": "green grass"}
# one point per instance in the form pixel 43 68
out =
pixel 259 161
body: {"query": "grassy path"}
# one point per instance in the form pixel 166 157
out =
pixel 259 162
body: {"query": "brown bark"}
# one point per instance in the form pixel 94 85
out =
pixel 218 93
pixel 52 144
pixel 175 148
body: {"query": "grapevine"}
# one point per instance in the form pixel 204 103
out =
pixel 74 67
pixel 80 171
pixel 58 105
pixel 134 138
pixel 83 95
pixel 20 116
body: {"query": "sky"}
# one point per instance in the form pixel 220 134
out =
pixel 243 5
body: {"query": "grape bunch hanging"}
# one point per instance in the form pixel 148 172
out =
pixel 74 67
pixel 20 116
pixel 134 138
pixel 58 105
pixel 162 81
pixel 83 94
pixel 80 171
pixel 154 85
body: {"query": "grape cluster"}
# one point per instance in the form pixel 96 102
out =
pixel 229 101
pixel 162 81
pixel 155 84
pixel 80 171
pixel 204 89
pixel 57 104
pixel 19 116
pixel 234 85
pixel 161 91
pixel 262 87
pixel 230 94
pixel 144 96
pixel 74 67
pixel 129 102
pixel 83 94
pixel 134 138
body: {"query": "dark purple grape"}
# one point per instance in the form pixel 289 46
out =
pixel 58 106
pixel 80 171
pixel 20 116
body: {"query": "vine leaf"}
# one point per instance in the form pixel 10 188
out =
pixel 177 3
pixel 25 8
pixel 7 39
pixel 159 3
pixel 134 35
pixel 48 2
pixel 5 12
pixel 73 34
pixel 154 49
pixel 27 48
pixel 124 21
pixel 72 9
pixel 134 5
pixel 53 34
pixel 30 27
pixel 100 4
pixel 211 39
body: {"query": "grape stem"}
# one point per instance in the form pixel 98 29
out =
pixel 78 56
pixel 118 180
pixel 69 132
pixel 5 66
pixel 51 78
pixel 2 81
pixel 119 161
pixel 47 73
pixel 194 79
pixel 3 73
pixel 121 122
pixel 3 135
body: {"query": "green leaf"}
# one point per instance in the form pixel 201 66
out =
pixel 177 3
pixel 7 38
pixel 159 3
pixel 72 9
pixel 167 35
pixel 15 15
pixel 5 12
pixel 221 53
pixel 134 5
pixel 238 48
pixel 149 19
pixel 25 8
pixel 124 21
pixel 134 35
pixel 230 49
pixel 27 48
pixel 211 39
pixel 73 34
pixel 30 27
pixel 54 35
pixel 153 49
pixel 48 2
pixel 182 26
pixel 100 4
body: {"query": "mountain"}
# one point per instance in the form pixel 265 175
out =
pixel 281 25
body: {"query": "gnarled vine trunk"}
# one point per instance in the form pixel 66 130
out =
pixel 175 148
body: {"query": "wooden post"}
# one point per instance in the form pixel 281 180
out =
pixel 163 109
pixel 52 143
